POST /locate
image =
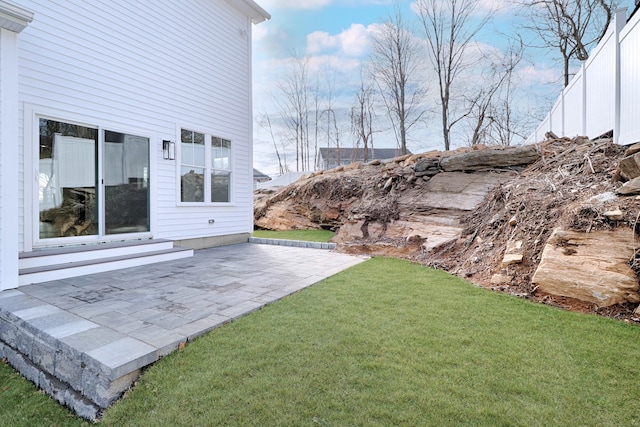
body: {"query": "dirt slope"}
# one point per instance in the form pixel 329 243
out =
pixel 462 221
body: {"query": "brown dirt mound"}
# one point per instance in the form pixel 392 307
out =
pixel 572 186
pixel 407 207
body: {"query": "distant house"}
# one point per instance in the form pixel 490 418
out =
pixel 282 180
pixel 259 177
pixel 123 124
pixel 331 157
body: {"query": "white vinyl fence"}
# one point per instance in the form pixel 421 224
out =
pixel 605 93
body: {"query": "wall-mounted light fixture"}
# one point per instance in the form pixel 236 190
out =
pixel 168 150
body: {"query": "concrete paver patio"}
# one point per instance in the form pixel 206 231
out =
pixel 85 339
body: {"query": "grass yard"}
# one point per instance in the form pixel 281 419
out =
pixel 385 343
pixel 322 236
pixel 21 404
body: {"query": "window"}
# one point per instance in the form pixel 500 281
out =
pixel 221 169
pixel 205 170
pixel 87 191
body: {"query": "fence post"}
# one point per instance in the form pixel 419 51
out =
pixel 583 118
pixel 620 21
pixel 562 106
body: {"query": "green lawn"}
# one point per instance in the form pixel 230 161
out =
pixel 386 343
pixel 21 404
pixel 304 235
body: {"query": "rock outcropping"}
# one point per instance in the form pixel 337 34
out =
pixel 489 215
pixel 396 207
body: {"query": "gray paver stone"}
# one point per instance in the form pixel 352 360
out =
pixel 104 391
pixel 69 370
pixel 37 311
pixel 18 303
pixel 72 328
pixel 120 357
pixel 8 333
pixel 81 405
pixel 21 364
pixel 23 341
pixel 91 339
pixel 52 386
pixel 43 355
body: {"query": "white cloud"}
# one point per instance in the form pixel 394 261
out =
pixel 294 4
pixel 318 4
pixel 259 32
pixel 355 40
pixel 320 41
pixel 534 76
pixel 352 42
pixel 498 7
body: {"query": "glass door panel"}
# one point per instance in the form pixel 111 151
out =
pixel 126 183
pixel 67 180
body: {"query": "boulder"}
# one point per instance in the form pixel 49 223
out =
pixel 427 167
pixel 491 159
pixel 630 188
pixel 629 167
pixel 461 191
pixel 614 215
pixel 501 279
pixel 592 267
pixel 510 259
pixel 633 149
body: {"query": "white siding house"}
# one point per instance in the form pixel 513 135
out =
pixel 123 121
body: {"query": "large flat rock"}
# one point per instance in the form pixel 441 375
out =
pixel 506 157
pixel 459 190
pixel 592 267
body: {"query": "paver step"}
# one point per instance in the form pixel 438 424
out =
pixel 69 254
pixel 83 267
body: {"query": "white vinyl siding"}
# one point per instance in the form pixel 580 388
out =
pixel 148 67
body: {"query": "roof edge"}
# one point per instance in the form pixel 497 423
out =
pixel 251 9
pixel 14 18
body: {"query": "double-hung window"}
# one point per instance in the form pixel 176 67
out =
pixel 205 169
pixel 220 169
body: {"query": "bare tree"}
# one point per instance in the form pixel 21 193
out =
pixel 571 27
pixel 450 28
pixel 508 120
pixel 295 108
pixel 326 110
pixel 496 87
pixel 264 122
pixel 362 117
pixel 395 69
pixel 332 129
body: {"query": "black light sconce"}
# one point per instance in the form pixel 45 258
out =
pixel 168 150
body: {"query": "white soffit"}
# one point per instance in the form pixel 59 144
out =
pixel 14 18
pixel 251 9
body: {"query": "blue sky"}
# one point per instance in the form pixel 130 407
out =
pixel 335 32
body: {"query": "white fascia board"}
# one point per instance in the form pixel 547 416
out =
pixel 14 18
pixel 251 9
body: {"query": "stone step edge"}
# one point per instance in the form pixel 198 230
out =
pixel 292 243
pixel 98 261
pixel 52 386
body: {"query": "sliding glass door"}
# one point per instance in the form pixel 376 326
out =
pixel 91 182
pixel 126 183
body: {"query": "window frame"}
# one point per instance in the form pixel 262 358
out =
pixel 208 167
pixel 30 217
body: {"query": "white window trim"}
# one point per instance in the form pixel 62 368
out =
pixel 208 168
pixel 32 115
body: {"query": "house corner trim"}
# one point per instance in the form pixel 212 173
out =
pixel 14 18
